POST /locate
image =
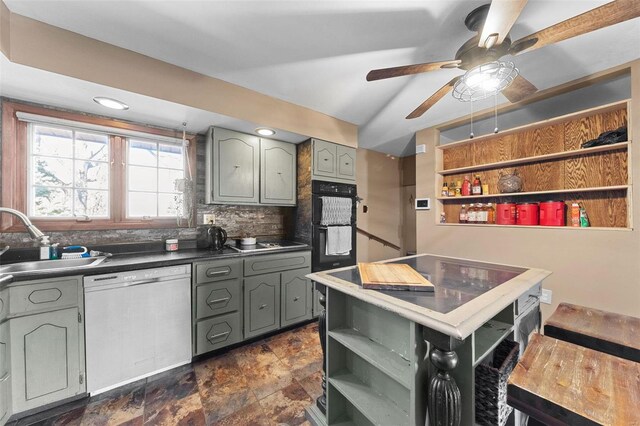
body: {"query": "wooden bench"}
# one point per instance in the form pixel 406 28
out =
pixel 607 332
pixel 559 383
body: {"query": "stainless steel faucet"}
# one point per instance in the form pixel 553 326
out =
pixel 35 233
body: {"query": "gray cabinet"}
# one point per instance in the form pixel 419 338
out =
pixel 4 304
pixel 4 349
pixel 217 270
pixel 277 262
pixel 217 332
pixel 296 301
pixel 233 167
pixel 5 399
pixel 316 301
pixel 277 172
pixel 261 304
pixel 45 358
pixel 217 298
pixel 333 162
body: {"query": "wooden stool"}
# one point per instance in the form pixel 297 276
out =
pixel 559 383
pixel 602 331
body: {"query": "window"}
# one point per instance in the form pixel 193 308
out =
pixel 74 171
pixel 68 173
pixel 154 175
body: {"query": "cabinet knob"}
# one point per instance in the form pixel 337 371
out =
pixel 279 173
pixel 224 299
pixel 325 159
pixel 346 164
pixel 215 336
pixel 236 166
pixel 264 305
pixel 295 299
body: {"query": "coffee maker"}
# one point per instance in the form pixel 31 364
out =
pixel 217 237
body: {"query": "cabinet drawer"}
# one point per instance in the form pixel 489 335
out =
pixel 44 295
pixel 277 262
pixel 218 270
pixel 4 304
pixel 218 332
pixel 217 298
pixel 527 300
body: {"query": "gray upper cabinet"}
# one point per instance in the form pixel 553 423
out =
pixel 261 304
pixel 333 162
pixel 346 163
pixel 233 167
pixel 45 358
pixel 277 172
pixel 296 297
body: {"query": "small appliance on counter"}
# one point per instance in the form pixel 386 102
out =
pixel 217 237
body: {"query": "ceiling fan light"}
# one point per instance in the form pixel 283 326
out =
pixel 484 80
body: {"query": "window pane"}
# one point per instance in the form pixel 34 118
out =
pixel 170 156
pixel 48 171
pixel 142 204
pixel 90 174
pixel 143 178
pixel 168 204
pixel 91 203
pixel 167 179
pixel 52 202
pixel 91 146
pixel 52 141
pixel 143 153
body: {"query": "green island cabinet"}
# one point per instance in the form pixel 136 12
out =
pixel 41 344
pixel 246 169
pixel 333 162
pixel 385 351
pixel 237 299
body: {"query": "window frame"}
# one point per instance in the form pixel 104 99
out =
pixel 15 169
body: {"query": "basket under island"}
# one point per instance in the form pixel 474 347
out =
pixel 396 357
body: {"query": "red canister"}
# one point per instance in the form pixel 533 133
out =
pixel 506 213
pixel 528 214
pixel 552 213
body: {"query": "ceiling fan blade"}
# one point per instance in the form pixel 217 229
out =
pixel 410 69
pixel 433 99
pixel 502 15
pixel 594 19
pixel 518 90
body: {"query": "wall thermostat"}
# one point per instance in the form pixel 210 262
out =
pixel 423 203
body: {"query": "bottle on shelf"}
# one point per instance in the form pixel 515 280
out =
pixel 445 190
pixel 443 217
pixel 491 219
pixel 466 186
pixel 452 189
pixel 458 188
pixel 471 214
pixel 482 214
pixel 575 215
pixel 584 219
pixel 463 214
pixel 476 188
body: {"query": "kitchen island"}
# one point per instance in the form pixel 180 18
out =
pixel 377 341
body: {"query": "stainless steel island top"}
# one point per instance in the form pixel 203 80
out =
pixel 467 292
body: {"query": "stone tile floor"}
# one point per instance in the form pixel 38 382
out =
pixel 268 382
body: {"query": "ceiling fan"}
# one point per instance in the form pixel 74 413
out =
pixel 492 22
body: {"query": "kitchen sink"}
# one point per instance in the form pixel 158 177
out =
pixel 51 265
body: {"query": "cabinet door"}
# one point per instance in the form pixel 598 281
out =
pixel 4 349
pixel 317 307
pixel 277 172
pixel 324 158
pixel 217 298
pixel 45 358
pixel 346 162
pixel 217 332
pixel 261 304
pixel 296 297
pixel 236 167
pixel 5 395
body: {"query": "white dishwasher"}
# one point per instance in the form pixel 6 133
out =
pixel 137 323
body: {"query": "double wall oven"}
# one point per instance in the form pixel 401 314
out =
pixel 320 260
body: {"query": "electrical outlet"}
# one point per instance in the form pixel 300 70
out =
pixel 546 296
pixel 209 218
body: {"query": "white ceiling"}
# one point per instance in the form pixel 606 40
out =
pixel 317 53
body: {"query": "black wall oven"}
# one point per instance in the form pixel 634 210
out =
pixel 320 261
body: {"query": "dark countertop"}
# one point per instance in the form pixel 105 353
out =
pixel 134 261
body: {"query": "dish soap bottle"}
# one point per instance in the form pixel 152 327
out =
pixel 45 248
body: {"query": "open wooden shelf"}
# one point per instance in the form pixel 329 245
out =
pixel 375 407
pixel 575 228
pixel 523 194
pixel 387 361
pixel 536 158
pixel 487 337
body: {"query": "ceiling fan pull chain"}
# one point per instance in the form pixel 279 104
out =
pixel 495 111
pixel 471 134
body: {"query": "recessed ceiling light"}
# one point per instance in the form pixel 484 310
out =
pixel 263 131
pixel 110 103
